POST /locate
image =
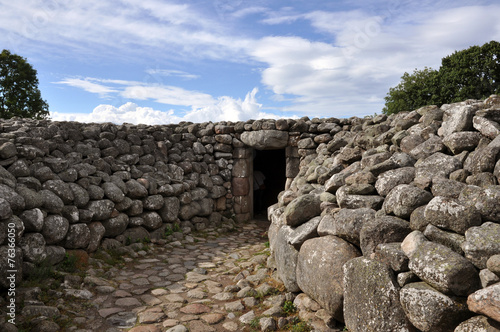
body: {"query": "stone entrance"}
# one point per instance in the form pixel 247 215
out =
pixel 273 152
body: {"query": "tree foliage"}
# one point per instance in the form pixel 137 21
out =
pixel 415 90
pixel 473 73
pixel 19 93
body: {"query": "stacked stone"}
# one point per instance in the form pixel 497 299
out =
pixel 393 222
pixel 66 186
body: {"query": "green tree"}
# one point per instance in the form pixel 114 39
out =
pixel 415 90
pixel 19 93
pixel 473 73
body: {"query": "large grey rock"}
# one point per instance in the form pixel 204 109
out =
pixel 320 274
pixel 484 200
pixel 302 209
pixel 113 192
pixel 438 165
pixel 481 243
pixel 32 219
pixel 486 127
pixel 102 209
pixel 286 258
pixel 97 231
pixel 32 199
pixel 405 198
pixel 55 228
pixel 382 229
pixel 115 226
pixel 430 310
pixel 449 213
pixel 447 188
pixel 5 210
pixel 444 269
pixel 7 150
pixel 346 224
pixel 136 189
pixel 306 231
pixel 452 240
pixel 483 159
pixel 61 189
pixel 152 220
pixel 457 118
pixel 15 200
pixel 355 197
pixel 78 237
pixel 19 168
pixel 462 141
pixel 390 179
pixel 153 202
pixel 170 209
pixel 432 145
pixel 371 297
pixel 265 139
pixel 51 202
pixel 478 324
pixel 486 301
pixel 397 160
pixel 33 246
pixel 392 255
pixel 81 196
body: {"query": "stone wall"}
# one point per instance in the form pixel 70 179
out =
pixel 73 186
pixel 393 224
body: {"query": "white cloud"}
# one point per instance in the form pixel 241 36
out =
pixel 171 72
pixel 89 86
pixel 167 95
pixel 367 53
pixel 163 94
pixel 225 109
pixel 123 27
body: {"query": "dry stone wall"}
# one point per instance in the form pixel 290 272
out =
pixel 72 186
pixel 393 223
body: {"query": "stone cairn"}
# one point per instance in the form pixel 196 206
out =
pixel 390 223
pixel 393 223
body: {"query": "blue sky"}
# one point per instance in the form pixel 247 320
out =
pixel 163 61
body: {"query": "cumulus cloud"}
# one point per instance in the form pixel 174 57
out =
pixel 224 109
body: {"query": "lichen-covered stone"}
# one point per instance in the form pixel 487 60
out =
pixel 390 179
pixel 444 269
pixel 78 237
pixel 377 309
pixel 449 213
pixel 55 228
pixel 346 223
pixel 319 271
pixel 478 324
pixel 302 209
pixel 430 310
pixel 482 242
pixel 286 258
pixel 382 229
pixel 403 199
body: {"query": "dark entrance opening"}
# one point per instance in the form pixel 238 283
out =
pixel 272 163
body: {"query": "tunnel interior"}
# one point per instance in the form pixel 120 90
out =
pixel 272 163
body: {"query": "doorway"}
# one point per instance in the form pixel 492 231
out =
pixel 272 164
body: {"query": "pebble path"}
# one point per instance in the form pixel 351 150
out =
pixel 210 283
